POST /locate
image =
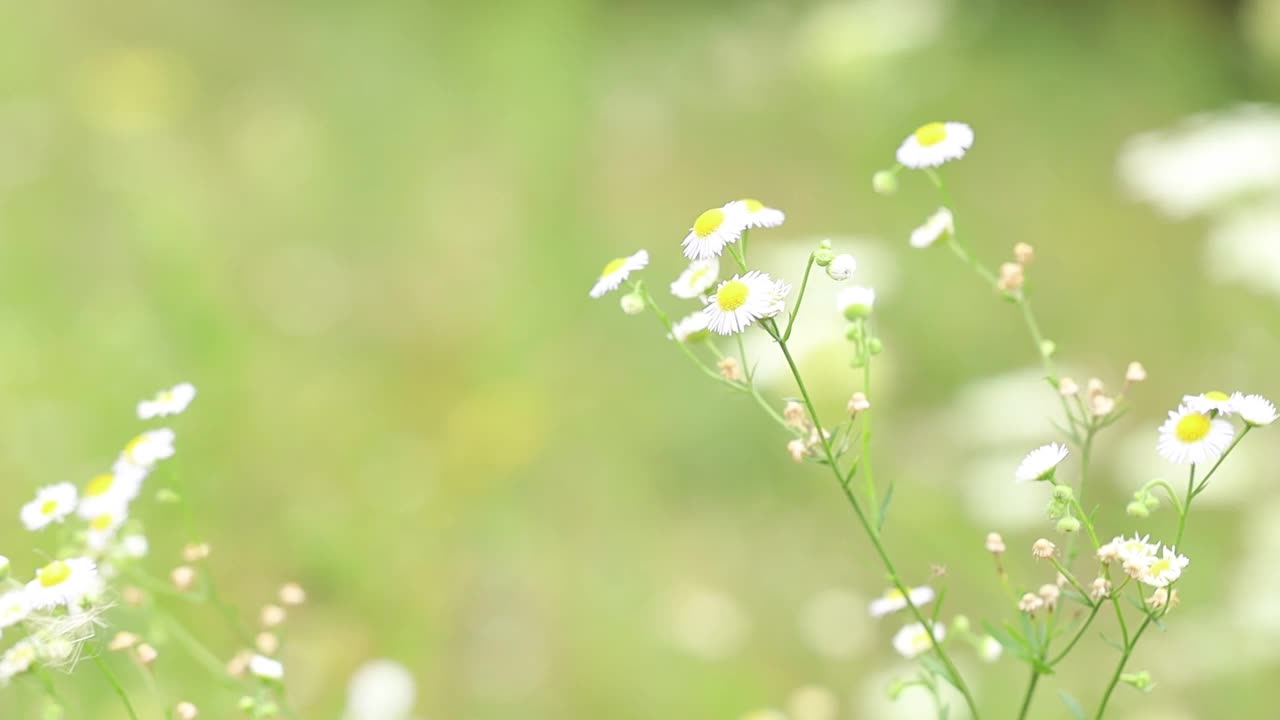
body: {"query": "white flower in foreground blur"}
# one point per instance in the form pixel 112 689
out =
pixel 63 582
pixel 1040 463
pixel 167 402
pixel 145 450
pixel 893 600
pixel 14 608
pixel 913 639
pixel 755 214
pixel 617 271
pixel 712 231
pixel 940 225
pixel 934 144
pixel 842 267
pixel 103 527
pixel 990 649
pixel 691 328
pixel 743 300
pixel 52 504
pixel 856 302
pixel 134 546
pixel 1254 409
pixel 696 279
pixel 381 690
pixel 17 660
pixel 266 668
pixel 1209 402
pixel 1191 438
pixel 1161 571
pixel 110 490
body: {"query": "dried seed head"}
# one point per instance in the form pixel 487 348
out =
pixel 272 616
pixel 1024 253
pixel 267 643
pixel 1135 373
pixel 730 369
pixel 145 654
pixel 797 449
pixel 858 402
pixel 195 552
pixel 995 543
pixel 793 412
pixel 1042 548
pixel 1100 589
pixel 292 594
pixel 183 577
pixel 186 711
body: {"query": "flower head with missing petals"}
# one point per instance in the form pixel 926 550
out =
pixel 934 144
pixel 913 639
pixel 167 402
pixel 939 226
pixel 893 600
pixel 691 328
pixel 51 505
pixel 1040 464
pixel 617 271
pixel 1255 410
pixel 696 279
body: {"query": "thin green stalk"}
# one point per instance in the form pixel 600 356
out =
pixel 115 685
pixel 1031 689
pixel 864 461
pixel 1205 482
pixel 1115 677
pixel 1079 634
pixel 684 348
pixel 872 535
pixel 795 311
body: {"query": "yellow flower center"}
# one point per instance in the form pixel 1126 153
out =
pixel 1217 396
pixel 55 573
pixel 708 222
pixel 134 444
pixel 613 267
pixel 48 507
pixel 101 522
pixel 752 204
pixel 1159 566
pixel 1192 427
pixel 894 594
pixel 732 295
pixel 931 134
pixel 921 639
pixel 99 485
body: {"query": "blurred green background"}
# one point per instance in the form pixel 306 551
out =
pixel 366 232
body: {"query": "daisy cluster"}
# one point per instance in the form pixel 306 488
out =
pixel 1202 427
pixel 1143 561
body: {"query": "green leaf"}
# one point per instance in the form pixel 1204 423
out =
pixel 884 504
pixel 935 666
pixel 1115 645
pixel 1073 705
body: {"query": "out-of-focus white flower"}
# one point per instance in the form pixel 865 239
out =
pixel 704 622
pixel 62 582
pixel 616 271
pixel 691 328
pixel 1241 247
pixel 1192 438
pixel 696 279
pixel 812 702
pixel 266 668
pixel 1040 463
pixel 743 300
pixel 381 690
pixel 52 504
pixel 856 302
pixel 103 527
pixel 145 450
pixel 755 214
pixel 834 623
pixel 990 649
pixel 1162 570
pixel 934 144
pixel 913 639
pixel 1210 402
pixel 14 608
pixel 134 546
pixel 940 225
pixel 17 660
pixel 167 402
pixel 713 230
pixel 1254 409
pixel 893 600
pixel 110 491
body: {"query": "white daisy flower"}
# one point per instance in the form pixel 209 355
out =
pixel 14 608
pixel 940 225
pixel 1189 437
pixel 1040 463
pixel 103 527
pixel 893 600
pixel 756 214
pixel 1134 554
pixel 63 582
pixel 745 299
pixel 856 302
pixel 110 490
pixel 934 144
pixel 167 402
pixel 17 660
pixel 266 668
pixel 617 270
pixel 1254 409
pixel 696 279
pixel 134 546
pixel 1209 402
pixel 713 230
pixel 691 328
pixel 913 639
pixel 145 450
pixel 52 504
pixel 1163 570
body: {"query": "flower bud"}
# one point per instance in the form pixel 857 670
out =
pixel 1137 509
pixel 797 449
pixel 858 402
pixel 995 543
pixel 195 552
pixel 822 257
pixel 842 267
pixel 1050 593
pixel 1139 680
pixel 146 654
pixel 885 182
pixel 267 643
pixel 1068 524
pixel 730 369
pixel 1068 387
pixel 186 711
pixel 874 346
pixel 183 577
pixel 292 594
pixel 1030 603
pixel 1042 548
pixel 272 616
pixel 632 303
pixel 960 624
pixel 1024 253
pixel 1136 373
pixel 1011 277
pixel 1063 493
pixel 1100 589
pixel 824 244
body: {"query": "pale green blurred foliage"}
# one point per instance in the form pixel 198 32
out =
pixel 366 232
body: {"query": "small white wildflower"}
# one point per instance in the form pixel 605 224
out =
pixel 1164 569
pixel 934 144
pixel 713 230
pixel 858 402
pixel 743 300
pixel 52 504
pixel 856 302
pixel 1039 464
pixel 1030 603
pixel 1050 593
pixel 913 639
pixel 616 271
pixel 755 214
pixel 14 608
pixel 696 279
pixel 381 690
pixel 103 526
pixel 1254 409
pixel 990 649
pixel 145 450
pixel 893 600
pixel 167 402
pixel 1135 373
pixel 691 328
pixel 842 268
pixel 266 668
pixel 995 543
pixel 63 582
pixel 110 491
pixel 17 660
pixel 1100 589
pixel 134 546
pixel 1042 548
pixel 1192 437
pixel 940 225
pixel 1209 402
pixel 1068 387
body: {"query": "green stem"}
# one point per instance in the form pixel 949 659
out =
pixel 1205 482
pixel 684 348
pixel 1079 634
pixel 1115 677
pixel 115 685
pixel 795 311
pixel 872 535
pixel 864 460
pixel 1031 689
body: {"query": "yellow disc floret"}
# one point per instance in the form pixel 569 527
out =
pixel 931 134
pixel 732 295
pixel 99 485
pixel 101 522
pixel 1217 396
pixel 752 204
pixel 48 507
pixel 708 222
pixel 1192 427
pixel 55 573
pixel 613 267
